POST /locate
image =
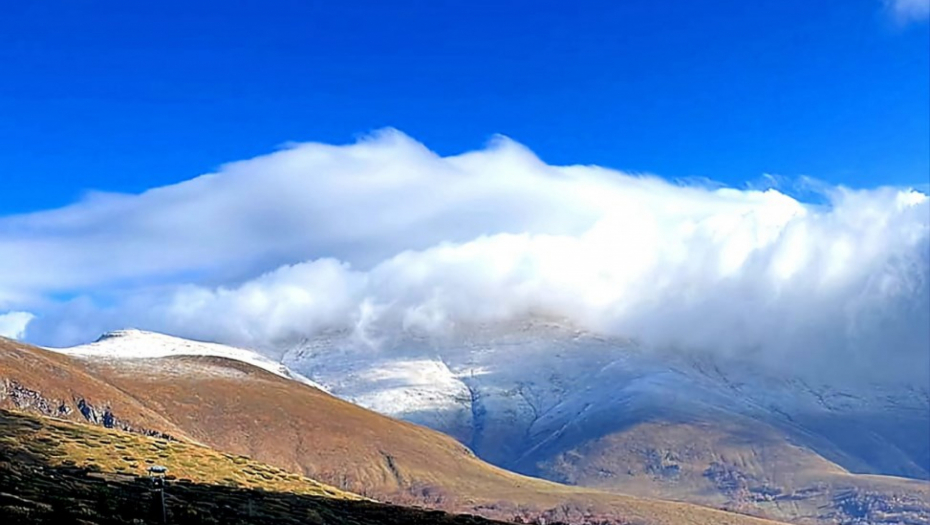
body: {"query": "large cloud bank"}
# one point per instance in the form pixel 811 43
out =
pixel 384 236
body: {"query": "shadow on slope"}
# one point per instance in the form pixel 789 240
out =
pixel 60 474
pixel 238 408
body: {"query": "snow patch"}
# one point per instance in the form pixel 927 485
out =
pixel 139 344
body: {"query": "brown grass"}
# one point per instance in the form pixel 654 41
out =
pixel 60 473
pixel 301 429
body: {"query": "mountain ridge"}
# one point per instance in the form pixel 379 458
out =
pixel 538 398
pixel 237 408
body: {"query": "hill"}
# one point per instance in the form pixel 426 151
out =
pixel 58 473
pixel 238 408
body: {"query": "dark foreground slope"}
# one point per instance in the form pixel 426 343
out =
pixel 240 409
pixel 61 473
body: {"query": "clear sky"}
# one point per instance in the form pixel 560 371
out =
pixel 125 96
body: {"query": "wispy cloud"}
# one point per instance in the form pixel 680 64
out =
pixel 13 324
pixel 909 10
pixel 384 235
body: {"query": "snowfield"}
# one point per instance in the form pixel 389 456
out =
pixel 139 344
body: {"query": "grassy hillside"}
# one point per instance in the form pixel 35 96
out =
pixel 243 410
pixel 741 465
pixel 60 473
pixel 56 385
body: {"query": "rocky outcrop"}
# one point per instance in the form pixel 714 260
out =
pixel 858 507
pixel 19 397
pixel 16 396
pixel 106 418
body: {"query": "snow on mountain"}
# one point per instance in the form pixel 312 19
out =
pixel 543 398
pixel 139 344
pixel 501 390
pixel 512 392
pixel 520 393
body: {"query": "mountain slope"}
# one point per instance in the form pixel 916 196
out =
pixel 56 385
pixel 238 408
pixel 59 473
pixel 546 400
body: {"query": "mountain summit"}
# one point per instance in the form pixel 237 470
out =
pixel 545 399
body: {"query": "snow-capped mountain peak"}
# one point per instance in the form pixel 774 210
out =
pixel 511 391
pixel 140 344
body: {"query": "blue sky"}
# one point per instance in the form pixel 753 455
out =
pixel 125 96
pixel 357 177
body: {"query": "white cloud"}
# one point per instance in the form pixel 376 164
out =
pixel 385 235
pixel 13 324
pixel 909 10
pixel 360 203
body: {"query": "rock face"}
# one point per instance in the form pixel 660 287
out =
pixel 20 397
pixel 16 396
pixel 544 399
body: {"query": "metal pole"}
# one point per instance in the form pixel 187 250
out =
pixel 164 511
pixel 158 481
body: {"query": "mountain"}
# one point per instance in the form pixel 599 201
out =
pixel 148 345
pixel 235 407
pixel 544 399
pixel 59 473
